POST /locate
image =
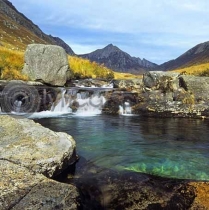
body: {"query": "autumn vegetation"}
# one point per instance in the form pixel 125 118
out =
pixel 83 68
pixel 12 61
pixel 11 64
pixel 196 70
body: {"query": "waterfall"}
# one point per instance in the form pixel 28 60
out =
pixel 17 105
pixel 62 105
pixel 79 102
pixel 125 109
pixel 76 101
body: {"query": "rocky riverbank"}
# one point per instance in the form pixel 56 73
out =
pixel 162 94
pixel 29 153
pixel 158 94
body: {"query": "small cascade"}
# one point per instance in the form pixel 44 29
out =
pixel 17 105
pixel 79 102
pixel 125 109
pixel 90 105
pixel 62 105
pixel 110 85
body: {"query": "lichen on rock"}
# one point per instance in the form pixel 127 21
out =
pixel 29 153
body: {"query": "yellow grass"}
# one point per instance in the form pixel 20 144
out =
pixel 197 70
pixel 83 68
pixel 12 61
pixel 11 64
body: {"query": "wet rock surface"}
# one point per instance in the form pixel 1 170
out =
pixel 101 188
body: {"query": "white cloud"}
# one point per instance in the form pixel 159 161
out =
pixel 83 49
pixel 132 16
pixel 171 24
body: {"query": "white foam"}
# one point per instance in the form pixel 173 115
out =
pixel 125 110
pixel 47 114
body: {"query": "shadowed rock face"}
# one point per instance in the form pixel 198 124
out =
pixel 46 63
pixel 20 188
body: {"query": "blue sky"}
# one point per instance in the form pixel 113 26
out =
pixel 158 30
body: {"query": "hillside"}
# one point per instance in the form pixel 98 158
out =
pixel 12 61
pixel 17 31
pixel 114 58
pixel 197 70
pixel 195 56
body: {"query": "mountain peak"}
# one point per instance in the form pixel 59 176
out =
pixel 110 48
pixel 110 45
pixel 118 60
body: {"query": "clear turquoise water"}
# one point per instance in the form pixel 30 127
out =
pixel 174 148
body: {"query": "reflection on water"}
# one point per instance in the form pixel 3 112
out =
pixel 177 148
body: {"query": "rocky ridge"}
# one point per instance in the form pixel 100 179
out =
pixel 196 55
pixel 19 30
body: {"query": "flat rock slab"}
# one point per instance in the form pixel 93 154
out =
pixel 21 189
pixel 39 149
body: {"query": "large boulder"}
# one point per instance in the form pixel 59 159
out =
pixel 39 149
pixel 199 86
pixel 29 151
pixel 46 63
